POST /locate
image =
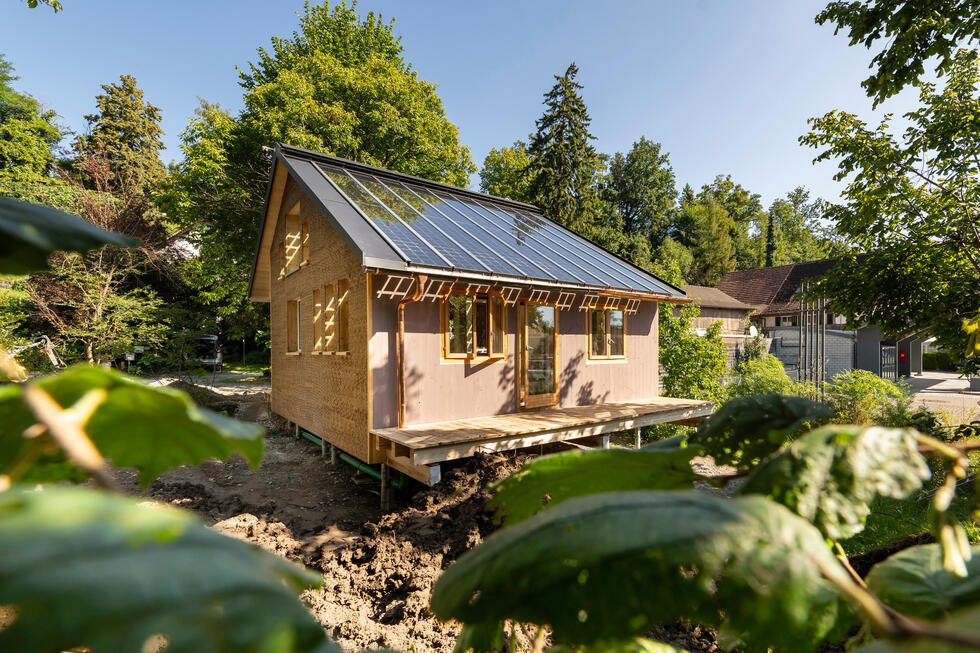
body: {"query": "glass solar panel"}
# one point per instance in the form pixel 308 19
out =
pixel 515 241
pixel 412 247
pixel 443 229
pixel 618 273
pixel 431 232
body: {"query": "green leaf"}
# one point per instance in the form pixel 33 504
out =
pixel 610 566
pixel 86 568
pixel 914 582
pixel 151 429
pixel 29 233
pixel 549 480
pixel 638 645
pixel 830 476
pixel 965 621
pixel 747 429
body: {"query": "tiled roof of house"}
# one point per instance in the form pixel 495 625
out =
pixel 773 290
pixel 709 297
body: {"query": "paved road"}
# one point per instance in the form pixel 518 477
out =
pixel 946 392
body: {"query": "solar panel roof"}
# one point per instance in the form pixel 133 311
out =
pixel 418 224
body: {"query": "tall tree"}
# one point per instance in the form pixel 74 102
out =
pixel 640 184
pixel 127 129
pixel 747 217
pixel 340 85
pixel 566 165
pixel 28 133
pixel 99 301
pixel 794 232
pixel 912 208
pixel 713 252
pixel 506 172
pixel 914 33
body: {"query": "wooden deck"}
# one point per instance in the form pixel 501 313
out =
pixel 417 450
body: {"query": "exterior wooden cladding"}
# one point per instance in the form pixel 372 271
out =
pixel 324 394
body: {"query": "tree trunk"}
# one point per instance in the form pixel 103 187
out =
pixel 88 353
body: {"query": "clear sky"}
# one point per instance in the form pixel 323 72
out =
pixel 726 86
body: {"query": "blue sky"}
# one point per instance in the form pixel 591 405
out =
pixel 725 86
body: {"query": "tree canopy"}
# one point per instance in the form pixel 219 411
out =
pixel 127 129
pixel 28 133
pixel 506 172
pixel 340 85
pixel 640 185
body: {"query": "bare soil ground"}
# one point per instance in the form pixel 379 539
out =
pixel 378 569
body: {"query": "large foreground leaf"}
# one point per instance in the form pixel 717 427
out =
pixel 747 429
pixel 965 621
pixel 151 429
pixel 914 582
pixel 830 476
pixel 85 568
pixel 29 233
pixel 610 566
pixel 547 481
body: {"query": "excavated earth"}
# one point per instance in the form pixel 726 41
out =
pixel 378 569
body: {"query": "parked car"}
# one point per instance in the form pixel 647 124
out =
pixel 207 352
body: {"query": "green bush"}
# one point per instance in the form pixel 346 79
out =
pixel 861 397
pixel 762 376
pixel 938 361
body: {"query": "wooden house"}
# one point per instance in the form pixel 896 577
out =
pixel 413 322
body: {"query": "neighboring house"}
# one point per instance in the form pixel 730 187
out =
pixel 413 322
pixel 717 306
pixel 774 293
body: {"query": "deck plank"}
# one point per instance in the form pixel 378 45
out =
pixel 497 430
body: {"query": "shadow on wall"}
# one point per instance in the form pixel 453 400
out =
pixel 569 375
pixel 506 381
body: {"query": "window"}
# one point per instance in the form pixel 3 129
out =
pixel 473 326
pixel 293 331
pixel 317 321
pixel 305 235
pixel 329 319
pixel 343 340
pixel 607 334
pixel 292 241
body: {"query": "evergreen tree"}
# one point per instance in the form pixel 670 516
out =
pixel 565 165
pixel 27 134
pixel 127 129
pixel 746 214
pixel 714 252
pixel 770 241
pixel 640 184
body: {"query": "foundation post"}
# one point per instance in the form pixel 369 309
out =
pixel 605 442
pixel 323 447
pixel 333 455
pixel 296 431
pixel 638 431
pixel 385 489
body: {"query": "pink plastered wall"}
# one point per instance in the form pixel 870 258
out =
pixel 438 390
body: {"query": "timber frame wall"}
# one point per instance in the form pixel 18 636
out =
pixel 325 394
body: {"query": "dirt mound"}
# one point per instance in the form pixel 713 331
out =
pixel 377 585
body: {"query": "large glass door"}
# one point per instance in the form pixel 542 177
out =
pixel 540 363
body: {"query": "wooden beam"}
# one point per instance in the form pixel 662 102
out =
pixel 426 474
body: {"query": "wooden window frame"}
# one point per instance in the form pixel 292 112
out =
pixel 588 326
pixel 304 235
pixel 329 319
pixel 491 356
pixel 293 241
pixel 297 322
pixel 342 313
pixel 317 322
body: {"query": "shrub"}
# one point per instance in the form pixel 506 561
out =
pixel 861 397
pixel 761 376
pixel 938 361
